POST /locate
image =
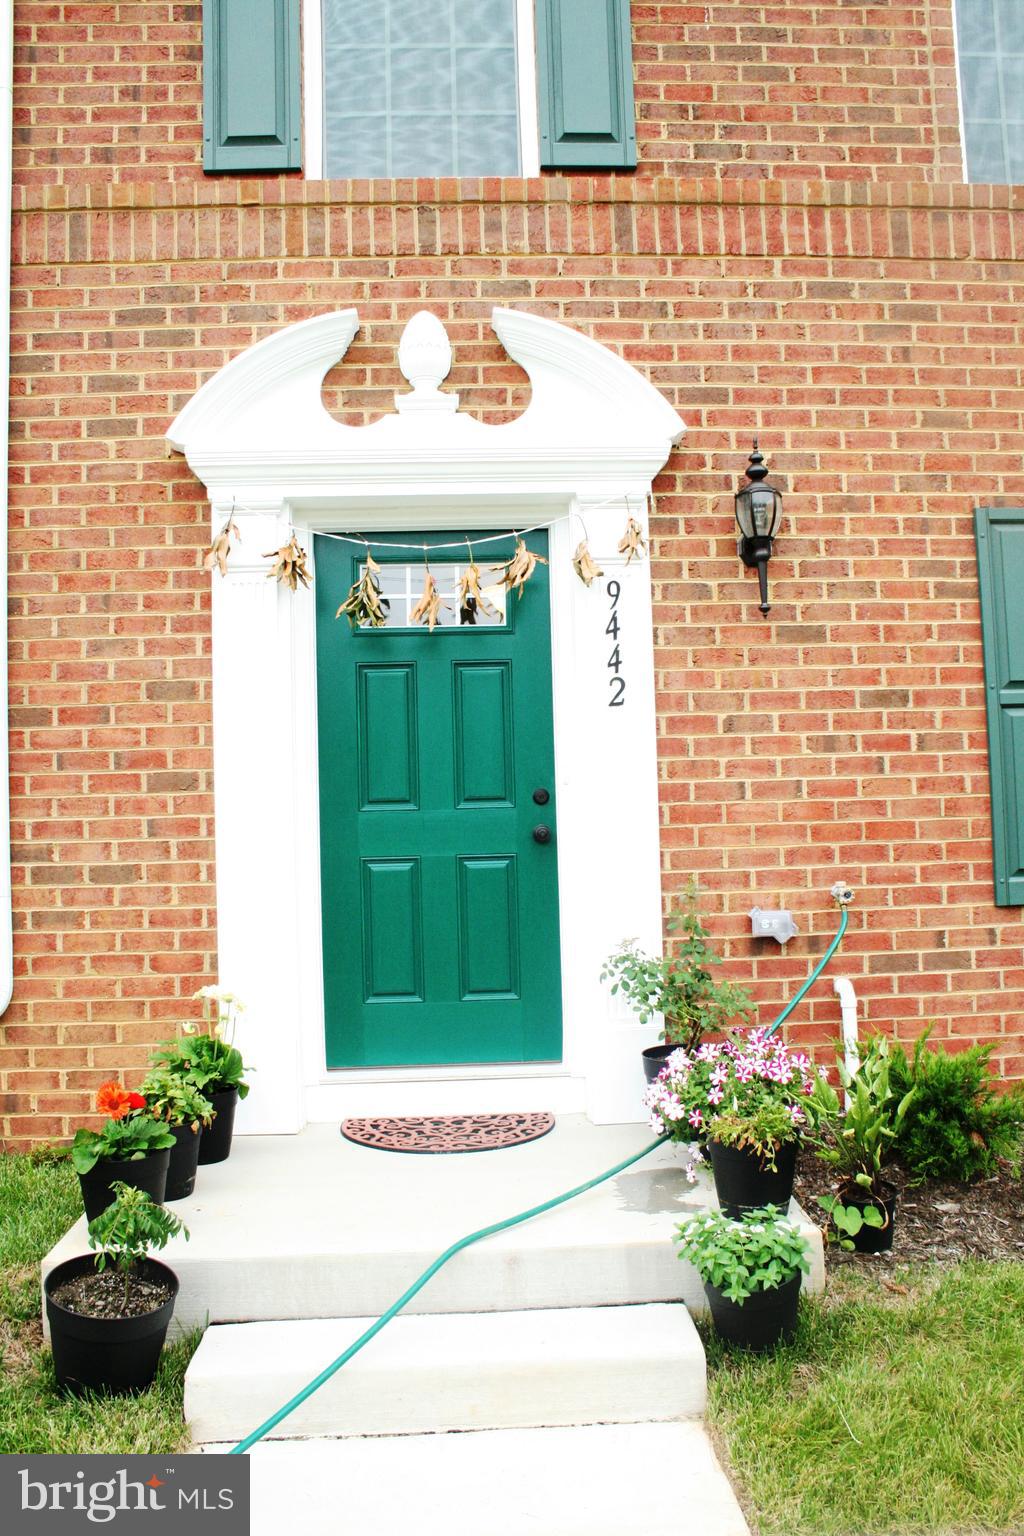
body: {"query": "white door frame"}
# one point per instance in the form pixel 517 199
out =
pixel 584 452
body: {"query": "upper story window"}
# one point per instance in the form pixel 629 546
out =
pixel 990 47
pixel 355 89
pixel 420 88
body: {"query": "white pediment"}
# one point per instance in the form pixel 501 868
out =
pixel 262 416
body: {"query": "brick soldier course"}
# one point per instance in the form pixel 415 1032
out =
pixel 830 285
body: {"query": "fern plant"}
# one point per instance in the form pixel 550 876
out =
pixel 959 1124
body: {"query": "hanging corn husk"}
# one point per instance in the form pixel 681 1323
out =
pixel 216 557
pixel 289 564
pixel 364 604
pixel 472 600
pixel 584 565
pixel 632 541
pixel 428 609
pixel 521 567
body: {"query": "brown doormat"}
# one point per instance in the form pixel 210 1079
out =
pixel 447 1133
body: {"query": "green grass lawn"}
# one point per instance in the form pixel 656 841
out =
pixel 895 1409
pixel 38 1202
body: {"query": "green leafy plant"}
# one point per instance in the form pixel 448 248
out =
pixel 848 1220
pixel 858 1139
pixel 750 1091
pixel 758 1253
pixel 206 1061
pixel 129 1227
pixel 959 1124
pixel 120 1141
pixel 679 984
pixel 175 1100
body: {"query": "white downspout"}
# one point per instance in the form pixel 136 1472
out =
pixel 6 131
pixel 843 987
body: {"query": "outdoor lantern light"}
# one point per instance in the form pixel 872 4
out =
pixel 758 514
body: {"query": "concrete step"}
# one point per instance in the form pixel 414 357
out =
pixel 313 1226
pixel 602 1480
pixel 425 1374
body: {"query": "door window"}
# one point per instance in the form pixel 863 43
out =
pixel 402 585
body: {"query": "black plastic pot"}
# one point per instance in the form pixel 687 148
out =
pixel 744 1183
pixel 181 1173
pixel 759 1322
pixel 215 1145
pixel 874 1239
pixel 148 1173
pixel 654 1058
pixel 111 1355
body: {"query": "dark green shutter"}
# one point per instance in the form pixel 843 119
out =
pixel 585 84
pixel 252 109
pixel 1000 538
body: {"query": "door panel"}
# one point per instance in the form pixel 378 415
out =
pixel 488 928
pixel 386 736
pixel 440 910
pixel 483 733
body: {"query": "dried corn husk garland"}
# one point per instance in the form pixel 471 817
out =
pixel 364 604
pixel 521 567
pixel 471 599
pixel 216 557
pixel 584 565
pixel 632 541
pixel 428 610
pixel 289 565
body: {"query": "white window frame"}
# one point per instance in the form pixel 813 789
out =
pixel 313 90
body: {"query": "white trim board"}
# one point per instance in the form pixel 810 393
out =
pixel 594 434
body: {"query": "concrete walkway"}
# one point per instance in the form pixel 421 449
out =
pixel 599 1480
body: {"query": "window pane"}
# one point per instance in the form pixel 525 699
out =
pixel 980 79
pixel 419 72
pixel 986 160
pixel 402 584
pixel 976 27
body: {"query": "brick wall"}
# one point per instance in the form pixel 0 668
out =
pixel 108 91
pixel 867 332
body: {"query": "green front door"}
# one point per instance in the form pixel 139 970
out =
pixel 439 884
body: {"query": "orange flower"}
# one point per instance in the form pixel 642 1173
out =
pixel 115 1101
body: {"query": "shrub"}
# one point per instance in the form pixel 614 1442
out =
pixel 959 1124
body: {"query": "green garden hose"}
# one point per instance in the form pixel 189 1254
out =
pixel 502 1226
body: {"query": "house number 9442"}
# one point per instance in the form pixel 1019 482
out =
pixel 616 683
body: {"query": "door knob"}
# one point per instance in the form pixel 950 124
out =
pixel 542 834
pixel 541 797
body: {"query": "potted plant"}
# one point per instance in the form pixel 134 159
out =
pixel 109 1311
pixel 751 1271
pixel 750 1099
pixel 857 1140
pixel 210 1062
pixel 678 985
pixel 131 1148
pixel 178 1104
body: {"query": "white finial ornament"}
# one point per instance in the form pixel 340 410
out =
pixel 425 358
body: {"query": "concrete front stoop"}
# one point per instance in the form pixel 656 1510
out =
pixel 548 1380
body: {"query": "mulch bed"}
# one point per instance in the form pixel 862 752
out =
pixel 939 1220
pixel 102 1295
